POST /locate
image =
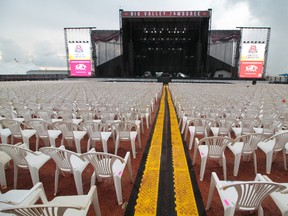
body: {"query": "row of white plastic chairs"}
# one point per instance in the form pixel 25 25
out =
pixel 105 165
pixel 73 132
pixel 244 146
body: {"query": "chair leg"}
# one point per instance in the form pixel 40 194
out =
pixel 202 168
pixel 104 145
pixel 133 148
pixel 269 157
pixel 15 175
pixel 236 164
pixel 57 173
pixel 284 158
pixel 192 130
pixel 95 203
pixel 224 167
pixel 3 181
pixel 118 188
pixel 34 172
pixel 93 179
pixel 255 162
pixel 78 145
pixel 78 182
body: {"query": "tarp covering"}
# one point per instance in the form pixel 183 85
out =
pixel 105 35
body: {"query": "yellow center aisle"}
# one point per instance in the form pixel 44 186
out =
pixel 147 199
pixel 184 195
pixel 148 192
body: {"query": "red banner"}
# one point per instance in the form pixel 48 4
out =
pixel 251 69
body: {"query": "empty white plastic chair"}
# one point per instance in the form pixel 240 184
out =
pixel 97 132
pixel 241 195
pixel 67 161
pixel 272 146
pixel 4 161
pixel 280 197
pixel 71 132
pixel 125 131
pixel 18 130
pixel 44 130
pixel 245 146
pixel 60 205
pixel 211 148
pixel 25 158
pixel 109 166
pixel 17 197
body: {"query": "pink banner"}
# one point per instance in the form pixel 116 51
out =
pixel 80 68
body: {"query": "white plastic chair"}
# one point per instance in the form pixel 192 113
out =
pixel 245 126
pixel 241 195
pixel 97 132
pixel 17 197
pixel 223 126
pixel 47 115
pixel 245 146
pixel 197 126
pixel 70 132
pixel 60 206
pixel 280 197
pixel 272 146
pixel 26 159
pixel 69 116
pixel 109 166
pixel 4 133
pixel 66 161
pixel 44 131
pixel 4 161
pixel 212 148
pixel 125 131
pixel 18 130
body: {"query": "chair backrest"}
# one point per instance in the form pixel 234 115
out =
pixel 94 129
pixel 280 140
pixel 40 126
pixel 216 145
pixel 67 115
pixel 61 157
pixel 86 115
pixel 123 129
pixel 252 193
pixel 13 125
pixel 46 115
pixel 250 141
pixel 102 162
pixel 40 209
pixel 17 153
pixel 66 128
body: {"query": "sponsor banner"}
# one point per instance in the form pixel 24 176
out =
pixel 138 14
pixel 80 68
pixel 251 69
pixel 79 51
pixel 252 52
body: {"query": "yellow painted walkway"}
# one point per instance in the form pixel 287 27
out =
pixel 185 202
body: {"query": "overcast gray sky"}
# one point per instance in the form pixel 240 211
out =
pixel 33 30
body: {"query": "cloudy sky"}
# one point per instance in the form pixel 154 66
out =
pixel 33 30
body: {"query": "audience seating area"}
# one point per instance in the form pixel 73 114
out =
pixel 97 128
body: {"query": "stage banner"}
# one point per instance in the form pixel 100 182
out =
pixel 252 60
pixel 80 59
pixel 80 68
